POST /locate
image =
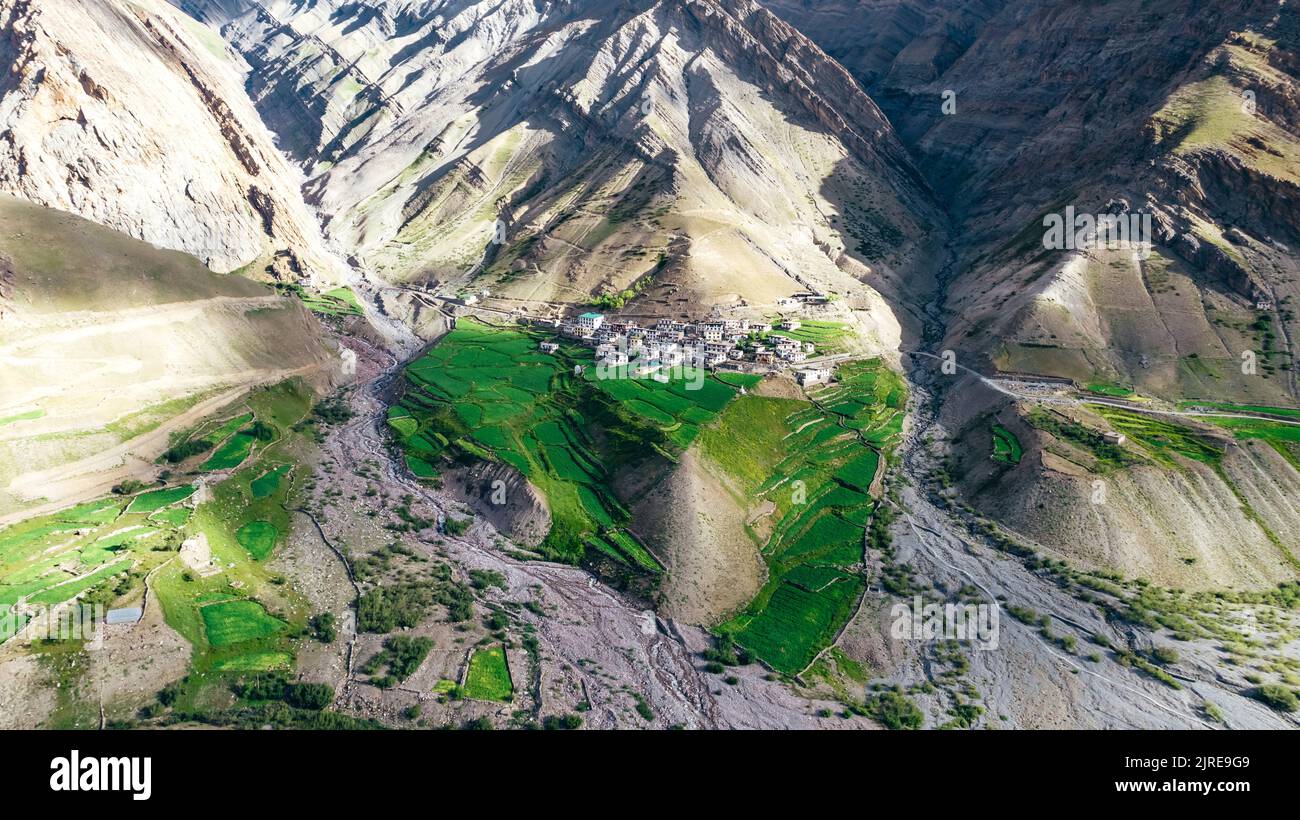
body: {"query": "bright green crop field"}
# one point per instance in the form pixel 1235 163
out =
pixel 486 392
pixel 488 677
pixel 240 619
pixel 1006 447
pixel 817 463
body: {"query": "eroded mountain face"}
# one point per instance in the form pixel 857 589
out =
pixel 701 152
pixel 112 346
pixel 1187 112
pixel 132 115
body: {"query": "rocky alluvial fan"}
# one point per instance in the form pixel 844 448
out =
pixel 446 206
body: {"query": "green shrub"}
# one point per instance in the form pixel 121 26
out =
pixel 312 696
pixel 1164 655
pixel 323 628
pixel 562 722
pixel 400 657
pixel 894 710
pixel 180 452
pixel 1277 697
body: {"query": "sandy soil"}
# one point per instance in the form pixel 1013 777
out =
pixel 25 700
pixel 699 532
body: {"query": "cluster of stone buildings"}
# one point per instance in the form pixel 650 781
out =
pixel 670 343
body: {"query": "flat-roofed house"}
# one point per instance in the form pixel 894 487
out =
pixel 591 321
pixel 812 376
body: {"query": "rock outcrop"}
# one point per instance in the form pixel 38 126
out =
pixel 500 494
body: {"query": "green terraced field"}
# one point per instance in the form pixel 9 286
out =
pixel 1161 439
pixel 233 622
pixel 92 512
pixel 102 551
pixel 828 337
pixel 255 662
pixel 258 537
pixel 488 677
pixel 175 516
pixel 157 499
pixel 486 392
pixel 66 591
pixel 1113 390
pixel 203 443
pixel 1006 447
pixel 1228 407
pixel 336 302
pixel 1285 438
pixel 269 482
pixel 81 550
pixel 232 453
pixel 816 462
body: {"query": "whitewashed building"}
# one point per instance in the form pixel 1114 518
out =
pixel 591 321
pixel 812 376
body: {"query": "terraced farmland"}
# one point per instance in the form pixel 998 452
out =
pixel 337 302
pixel 157 499
pixel 1006 447
pixel 231 454
pixel 828 337
pixel 238 619
pixel 1161 436
pixel 817 465
pixel 52 559
pixel 1161 439
pixel 1228 407
pixel 487 393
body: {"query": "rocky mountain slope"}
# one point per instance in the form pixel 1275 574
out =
pixel 1185 112
pixel 695 153
pixel 132 115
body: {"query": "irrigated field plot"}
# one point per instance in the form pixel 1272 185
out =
pixel 106 551
pixel 1006 447
pixel 233 622
pixel 489 393
pixel 232 453
pixel 489 676
pixel 267 483
pixel 258 537
pixel 157 499
pixel 817 463
pixel 336 302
